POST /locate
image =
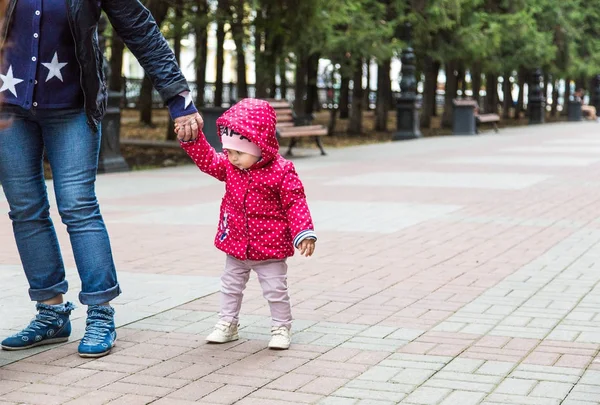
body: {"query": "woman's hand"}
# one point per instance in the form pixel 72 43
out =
pixel 187 127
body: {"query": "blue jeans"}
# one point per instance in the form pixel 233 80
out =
pixel 72 149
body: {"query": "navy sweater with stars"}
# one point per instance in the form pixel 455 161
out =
pixel 40 67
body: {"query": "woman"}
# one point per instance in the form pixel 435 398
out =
pixel 54 94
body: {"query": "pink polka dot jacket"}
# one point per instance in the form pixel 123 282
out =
pixel 264 213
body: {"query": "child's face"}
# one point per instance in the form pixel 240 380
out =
pixel 241 160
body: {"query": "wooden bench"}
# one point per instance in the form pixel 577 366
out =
pixel 289 125
pixel 493 119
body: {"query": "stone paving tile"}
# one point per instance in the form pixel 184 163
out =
pixel 472 279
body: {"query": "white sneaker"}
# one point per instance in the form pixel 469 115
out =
pixel 224 332
pixel 281 338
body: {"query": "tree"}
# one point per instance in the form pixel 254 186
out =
pixel 177 37
pixel 117 47
pixel 237 18
pixel 222 9
pixel 365 21
pixel 159 10
pixel 200 22
pixel 384 91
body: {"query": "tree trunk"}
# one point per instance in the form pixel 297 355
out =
pixel 355 124
pixel 283 78
pixel 433 90
pixel 261 81
pixel 300 85
pixel 367 88
pixel 431 68
pixel 116 63
pixel 145 102
pixel 382 107
pixel 201 46
pixel 312 95
pixel 491 91
pixel 460 79
pixel 476 82
pixel 236 15
pixel 451 89
pixel 463 82
pixel 178 30
pixel 344 97
pixel 332 120
pixel 507 101
pixel 242 83
pixel 273 50
pixel 566 96
pixel 159 10
pixel 554 110
pixel 220 62
pixel 522 77
pixel 177 36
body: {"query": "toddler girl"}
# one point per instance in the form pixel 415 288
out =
pixel 264 215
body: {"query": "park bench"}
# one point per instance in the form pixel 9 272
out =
pixel 467 118
pixel 292 126
pixel 493 119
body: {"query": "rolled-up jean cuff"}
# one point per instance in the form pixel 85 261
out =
pixel 100 297
pixel 45 294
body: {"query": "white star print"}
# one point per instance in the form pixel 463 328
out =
pixel 187 97
pixel 9 82
pixel 54 68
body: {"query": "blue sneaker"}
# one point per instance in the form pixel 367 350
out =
pixel 50 325
pixel 100 334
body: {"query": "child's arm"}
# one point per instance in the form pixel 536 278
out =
pixel 206 157
pixel 294 203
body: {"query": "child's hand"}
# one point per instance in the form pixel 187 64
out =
pixel 307 247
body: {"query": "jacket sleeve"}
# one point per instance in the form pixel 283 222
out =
pixel 206 157
pixel 136 26
pixel 295 206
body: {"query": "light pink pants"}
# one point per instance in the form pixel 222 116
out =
pixel 272 275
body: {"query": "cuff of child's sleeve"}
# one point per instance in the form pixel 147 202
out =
pixel 306 234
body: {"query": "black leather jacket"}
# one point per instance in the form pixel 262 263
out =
pixel 136 26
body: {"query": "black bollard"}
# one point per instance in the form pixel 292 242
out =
pixel 595 98
pixel 110 159
pixel 536 99
pixel 407 114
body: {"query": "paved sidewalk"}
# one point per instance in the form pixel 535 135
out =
pixel 449 271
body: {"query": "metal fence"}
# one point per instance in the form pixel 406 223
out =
pixel 328 96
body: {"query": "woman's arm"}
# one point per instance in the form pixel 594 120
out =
pixel 136 26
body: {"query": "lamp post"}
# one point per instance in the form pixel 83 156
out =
pixel 595 99
pixel 536 99
pixel 407 114
pixel 110 159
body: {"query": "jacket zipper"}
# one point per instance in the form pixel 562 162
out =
pixel 246 214
pixel 77 56
pixel 7 21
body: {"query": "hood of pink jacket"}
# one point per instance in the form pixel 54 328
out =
pixel 255 119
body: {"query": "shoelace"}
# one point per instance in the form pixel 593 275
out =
pixel 283 331
pixel 95 333
pixel 40 321
pixel 222 326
